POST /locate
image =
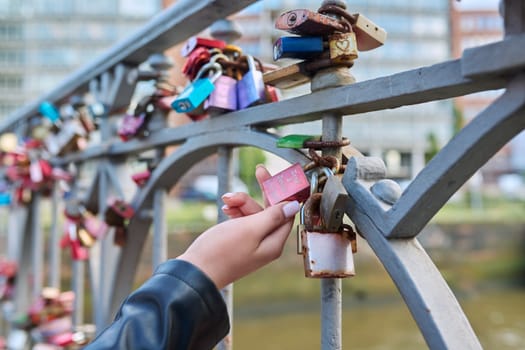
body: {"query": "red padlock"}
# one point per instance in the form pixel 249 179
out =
pixel 70 238
pixel 288 185
pixel 141 178
pixel 121 208
pixel 195 42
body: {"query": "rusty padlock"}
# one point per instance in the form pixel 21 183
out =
pixel 326 254
pixel 333 203
pixel 287 185
pixel 343 47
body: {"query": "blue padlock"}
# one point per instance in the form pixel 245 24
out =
pixel 298 47
pixel 5 199
pixel 198 91
pixel 49 111
pixel 251 89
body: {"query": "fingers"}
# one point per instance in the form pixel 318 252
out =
pixel 270 219
pixel 261 174
pixel 239 204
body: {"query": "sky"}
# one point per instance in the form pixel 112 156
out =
pixel 477 4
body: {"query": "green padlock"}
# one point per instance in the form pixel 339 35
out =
pixel 296 140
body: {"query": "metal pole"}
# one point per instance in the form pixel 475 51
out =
pixel 225 174
pixel 78 289
pixel 331 288
pixel 54 251
pixel 99 293
pixel 37 256
pixel 160 237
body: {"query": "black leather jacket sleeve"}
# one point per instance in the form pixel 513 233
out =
pixel 178 308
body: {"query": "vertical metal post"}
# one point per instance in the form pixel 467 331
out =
pixel 331 288
pixel 37 253
pixel 160 238
pixel 106 248
pixel 225 174
pixel 20 228
pixel 78 289
pixel 98 293
pixel 513 12
pixel 54 251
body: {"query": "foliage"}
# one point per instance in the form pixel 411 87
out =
pixel 433 146
pixel 458 122
pixel 249 158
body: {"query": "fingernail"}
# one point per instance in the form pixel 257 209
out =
pixel 225 207
pixel 290 209
pixel 227 195
pixel 260 166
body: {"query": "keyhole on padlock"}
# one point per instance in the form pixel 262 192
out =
pixel 292 18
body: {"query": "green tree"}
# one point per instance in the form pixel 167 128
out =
pixel 433 146
pixel 249 157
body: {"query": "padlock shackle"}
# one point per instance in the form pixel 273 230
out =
pixel 247 58
pixel 311 211
pixel 207 67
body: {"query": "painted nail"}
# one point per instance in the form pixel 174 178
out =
pixel 227 195
pixel 290 209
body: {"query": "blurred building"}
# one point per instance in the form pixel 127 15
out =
pixel 43 41
pixel 477 23
pixel 418 35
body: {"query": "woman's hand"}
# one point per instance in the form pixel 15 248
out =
pixel 237 247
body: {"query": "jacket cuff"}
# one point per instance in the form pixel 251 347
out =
pixel 197 279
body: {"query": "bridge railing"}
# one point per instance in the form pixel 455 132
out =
pixel 390 230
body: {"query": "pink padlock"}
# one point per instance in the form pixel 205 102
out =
pixel 288 185
pixel 96 228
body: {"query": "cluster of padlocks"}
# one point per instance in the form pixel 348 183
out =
pixel 48 322
pixel 326 242
pixel 26 169
pixel 83 228
pixel 330 37
pixel 221 79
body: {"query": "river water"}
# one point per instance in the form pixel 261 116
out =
pixel 497 317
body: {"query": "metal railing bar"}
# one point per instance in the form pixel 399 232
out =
pixel 497 58
pixel 170 27
pixel 427 295
pixel 457 161
pixel 440 81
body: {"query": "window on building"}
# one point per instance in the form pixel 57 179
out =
pixel 10 31
pixel 53 7
pixel 12 57
pixel 10 7
pixel 96 7
pixel 6 108
pixel 10 82
pixel 139 8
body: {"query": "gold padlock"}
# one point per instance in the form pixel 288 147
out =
pixel 343 47
pixel 85 238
